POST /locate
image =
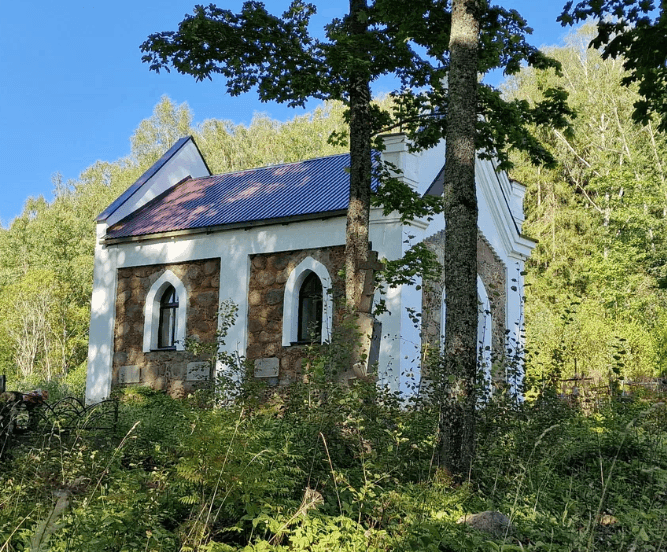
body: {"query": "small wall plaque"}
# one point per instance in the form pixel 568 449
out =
pixel 129 374
pixel 267 367
pixel 198 371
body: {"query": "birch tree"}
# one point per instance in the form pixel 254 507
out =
pixel 634 32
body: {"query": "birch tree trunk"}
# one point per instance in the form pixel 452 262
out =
pixel 457 403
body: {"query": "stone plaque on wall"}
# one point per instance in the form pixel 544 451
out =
pixel 129 374
pixel 267 367
pixel 198 371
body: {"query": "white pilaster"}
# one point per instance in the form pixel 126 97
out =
pixel 102 320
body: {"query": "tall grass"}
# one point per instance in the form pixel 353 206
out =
pixel 333 468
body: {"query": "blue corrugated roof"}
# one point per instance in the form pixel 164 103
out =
pixel 277 192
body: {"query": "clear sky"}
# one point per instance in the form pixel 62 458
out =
pixel 73 87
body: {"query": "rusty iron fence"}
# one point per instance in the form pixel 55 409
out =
pixel 589 393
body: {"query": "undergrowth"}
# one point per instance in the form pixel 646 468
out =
pixel 327 467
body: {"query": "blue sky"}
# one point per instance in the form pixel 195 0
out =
pixel 73 87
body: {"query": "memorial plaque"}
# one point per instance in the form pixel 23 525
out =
pixel 267 367
pixel 198 371
pixel 129 374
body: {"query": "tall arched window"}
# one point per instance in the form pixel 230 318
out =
pixel 166 337
pixel 165 314
pixel 310 309
pixel 307 304
pixel 484 327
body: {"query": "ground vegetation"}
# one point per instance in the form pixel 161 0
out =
pixel 347 468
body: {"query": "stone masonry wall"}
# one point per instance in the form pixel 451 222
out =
pixel 164 370
pixel 491 270
pixel 268 275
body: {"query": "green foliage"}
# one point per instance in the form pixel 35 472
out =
pixel 418 261
pixel 154 136
pixel 599 219
pixel 578 482
pixel 632 32
pixel 339 467
pixel 395 195
pixel 407 39
pixel 229 147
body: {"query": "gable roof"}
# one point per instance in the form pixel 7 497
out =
pixel 437 188
pixel 144 178
pixel 307 189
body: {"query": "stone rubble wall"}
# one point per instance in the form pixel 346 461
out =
pixel 163 370
pixel 168 370
pixel 493 273
pixel 268 275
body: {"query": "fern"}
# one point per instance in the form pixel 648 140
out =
pixel 49 525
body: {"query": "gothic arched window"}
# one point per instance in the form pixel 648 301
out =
pixel 310 309
pixel 484 326
pixel 166 337
pixel 165 315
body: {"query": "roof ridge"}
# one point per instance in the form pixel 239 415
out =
pixel 277 165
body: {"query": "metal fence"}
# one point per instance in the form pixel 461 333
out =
pixel 26 417
pixel 589 393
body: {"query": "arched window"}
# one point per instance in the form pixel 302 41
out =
pixel 165 314
pixel 166 334
pixel 484 327
pixel 307 304
pixel 310 309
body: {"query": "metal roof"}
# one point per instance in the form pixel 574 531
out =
pixel 127 194
pixel 277 192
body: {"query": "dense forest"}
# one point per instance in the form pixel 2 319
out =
pixel 595 302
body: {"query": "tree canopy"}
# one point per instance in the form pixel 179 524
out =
pixel 635 32
pixel 283 61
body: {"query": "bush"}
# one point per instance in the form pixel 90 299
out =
pixel 326 466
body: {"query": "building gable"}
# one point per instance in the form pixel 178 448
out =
pixel 182 160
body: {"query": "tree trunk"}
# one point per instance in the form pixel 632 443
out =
pixel 458 399
pixel 358 214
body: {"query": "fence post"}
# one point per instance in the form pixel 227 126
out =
pixel 3 381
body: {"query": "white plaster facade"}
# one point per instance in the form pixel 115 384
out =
pixel 499 221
